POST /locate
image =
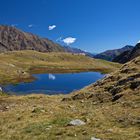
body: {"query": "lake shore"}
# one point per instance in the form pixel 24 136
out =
pixel 18 66
pixel 42 117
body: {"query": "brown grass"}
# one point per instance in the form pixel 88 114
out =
pixel 19 65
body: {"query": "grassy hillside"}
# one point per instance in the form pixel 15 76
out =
pixel 109 108
pixel 18 65
pixel 118 85
pixel 41 117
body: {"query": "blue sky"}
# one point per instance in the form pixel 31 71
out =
pixel 97 25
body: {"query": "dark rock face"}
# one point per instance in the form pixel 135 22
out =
pixel 111 54
pixel 123 57
pixel 13 39
pixel 135 84
pixel 128 55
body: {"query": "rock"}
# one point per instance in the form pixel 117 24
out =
pixel 79 96
pixel 115 90
pixel 0 89
pixel 81 101
pixel 93 138
pixel 42 110
pixel 66 99
pixel 33 110
pixel 7 107
pixel 77 122
pixel 49 127
pixel 38 110
pixel 12 65
pixel 135 84
pixel 84 132
pixel 116 97
pixel 70 106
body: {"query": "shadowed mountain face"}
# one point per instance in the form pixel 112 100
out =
pixel 111 54
pixel 128 55
pixel 12 39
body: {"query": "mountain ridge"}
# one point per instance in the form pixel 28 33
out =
pixel 128 55
pixel 111 54
pixel 12 39
pixel 77 50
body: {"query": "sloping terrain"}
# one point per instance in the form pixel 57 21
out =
pixel 12 39
pixel 119 85
pixel 109 108
pixel 111 54
pixel 18 65
pixel 128 55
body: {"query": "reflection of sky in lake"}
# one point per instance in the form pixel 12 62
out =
pixel 51 76
pixel 55 83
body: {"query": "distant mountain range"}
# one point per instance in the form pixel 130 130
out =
pixel 128 55
pixel 12 39
pixel 76 50
pixel 111 54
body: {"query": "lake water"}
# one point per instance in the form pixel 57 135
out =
pixel 55 83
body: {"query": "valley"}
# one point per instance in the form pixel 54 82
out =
pixel 18 66
pixel 109 109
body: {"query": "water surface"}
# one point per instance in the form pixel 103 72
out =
pixel 55 83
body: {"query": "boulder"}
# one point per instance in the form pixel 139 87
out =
pixel 0 89
pixel 93 138
pixel 135 84
pixel 76 122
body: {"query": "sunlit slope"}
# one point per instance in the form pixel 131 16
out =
pixel 19 64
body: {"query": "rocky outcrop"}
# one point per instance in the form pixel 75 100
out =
pixel 12 39
pixel 117 86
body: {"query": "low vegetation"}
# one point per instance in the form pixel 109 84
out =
pixel 41 117
pixel 19 65
pixel 109 108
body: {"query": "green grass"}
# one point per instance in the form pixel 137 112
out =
pixel 42 117
pixel 102 120
pixel 19 65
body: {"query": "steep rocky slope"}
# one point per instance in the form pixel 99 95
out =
pixel 111 54
pixel 122 85
pixel 128 55
pixel 12 39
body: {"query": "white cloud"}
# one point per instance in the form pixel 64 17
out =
pixel 51 27
pixel 51 76
pixel 30 25
pixel 69 40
